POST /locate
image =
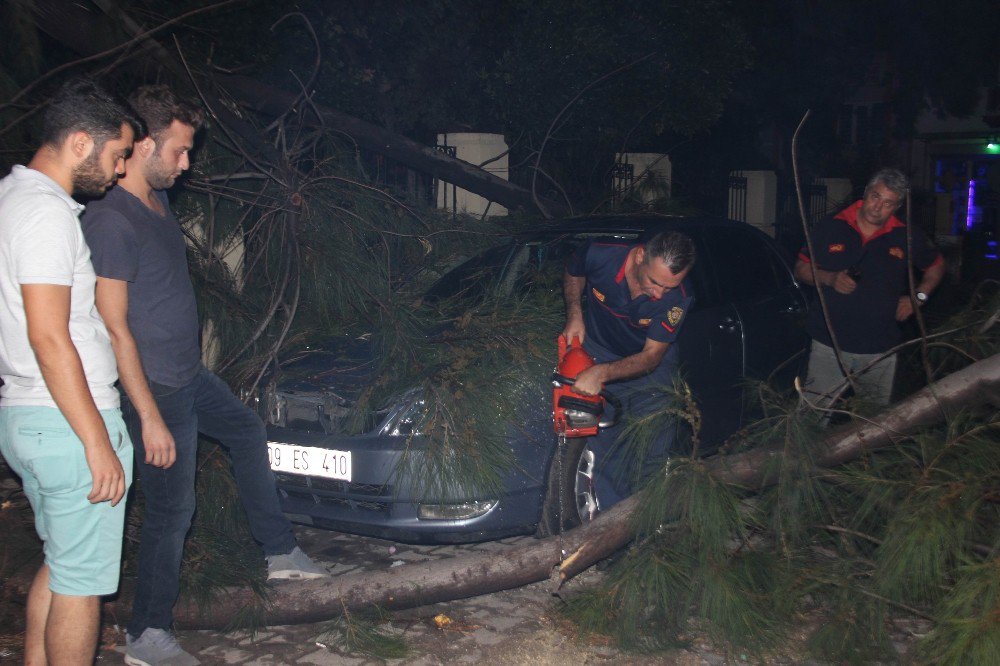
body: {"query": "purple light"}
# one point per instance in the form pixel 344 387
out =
pixel 969 204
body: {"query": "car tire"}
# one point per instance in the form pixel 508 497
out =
pixel 571 497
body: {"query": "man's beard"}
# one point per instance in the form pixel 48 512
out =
pixel 89 179
pixel 158 175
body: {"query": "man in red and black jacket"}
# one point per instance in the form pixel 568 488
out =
pixel 861 265
pixel 637 297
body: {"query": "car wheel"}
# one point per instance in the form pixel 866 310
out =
pixel 571 498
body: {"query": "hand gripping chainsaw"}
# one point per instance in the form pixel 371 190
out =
pixel 573 414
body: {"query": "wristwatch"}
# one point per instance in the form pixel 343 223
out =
pixel 921 297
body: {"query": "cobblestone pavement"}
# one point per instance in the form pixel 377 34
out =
pixel 510 627
pixel 481 630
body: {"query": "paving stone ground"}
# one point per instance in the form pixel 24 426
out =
pixel 510 628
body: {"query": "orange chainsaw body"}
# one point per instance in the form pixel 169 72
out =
pixel 573 414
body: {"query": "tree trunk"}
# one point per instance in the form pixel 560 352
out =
pixel 60 21
pixel 418 584
pixel 272 101
pixel 423 583
pixel 976 384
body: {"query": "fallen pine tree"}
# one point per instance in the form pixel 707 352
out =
pixel 418 584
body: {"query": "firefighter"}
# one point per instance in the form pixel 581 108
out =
pixel 636 297
pixel 861 265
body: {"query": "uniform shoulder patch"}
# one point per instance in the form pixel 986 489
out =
pixel 896 252
pixel 598 295
pixel 675 315
pixel 835 247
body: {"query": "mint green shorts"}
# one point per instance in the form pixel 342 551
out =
pixel 82 541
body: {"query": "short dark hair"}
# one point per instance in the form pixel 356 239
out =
pixel 158 107
pixel 894 179
pixel 83 105
pixel 674 248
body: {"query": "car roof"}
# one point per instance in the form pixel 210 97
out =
pixel 636 223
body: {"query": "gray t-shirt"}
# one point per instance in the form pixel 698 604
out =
pixel 41 243
pixel 130 242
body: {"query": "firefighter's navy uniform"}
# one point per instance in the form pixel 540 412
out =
pixel 617 326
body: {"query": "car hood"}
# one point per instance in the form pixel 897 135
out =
pixel 318 388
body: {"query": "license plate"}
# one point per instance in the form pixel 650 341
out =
pixel 311 460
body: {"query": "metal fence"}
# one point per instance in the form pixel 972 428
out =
pixel 737 209
pixel 817 202
pixel 622 180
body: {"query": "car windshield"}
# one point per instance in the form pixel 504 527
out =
pixel 513 269
pixel 471 279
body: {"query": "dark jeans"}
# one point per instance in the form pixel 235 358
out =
pixel 204 405
pixel 621 470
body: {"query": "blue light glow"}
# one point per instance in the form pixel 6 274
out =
pixel 969 204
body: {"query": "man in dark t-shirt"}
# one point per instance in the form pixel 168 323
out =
pixel 861 264
pixel 636 299
pixel 145 296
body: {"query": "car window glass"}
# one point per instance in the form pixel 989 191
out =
pixel 472 279
pixel 782 271
pixel 744 265
pixel 705 295
pixel 538 264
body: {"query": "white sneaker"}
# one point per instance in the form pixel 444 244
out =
pixel 295 565
pixel 156 647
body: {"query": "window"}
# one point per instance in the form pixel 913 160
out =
pixel 744 264
pixel 471 279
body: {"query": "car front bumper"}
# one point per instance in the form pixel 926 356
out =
pixel 381 500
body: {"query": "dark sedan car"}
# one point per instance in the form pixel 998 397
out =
pixel 746 323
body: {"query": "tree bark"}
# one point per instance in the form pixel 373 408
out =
pixel 430 582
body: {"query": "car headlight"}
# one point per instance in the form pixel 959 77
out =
pixel 458 511
pixel 276 406
pixel 405 416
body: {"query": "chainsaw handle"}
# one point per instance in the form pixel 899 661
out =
pixel 607 395
pixel 564 347
pixel 614 402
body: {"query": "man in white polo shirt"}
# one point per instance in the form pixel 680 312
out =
pixel 60 427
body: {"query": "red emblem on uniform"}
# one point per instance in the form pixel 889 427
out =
pixel 836 247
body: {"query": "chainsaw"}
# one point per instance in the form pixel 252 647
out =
pixel 576 415
pixel 573 414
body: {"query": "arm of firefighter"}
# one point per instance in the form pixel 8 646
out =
pixel 111 297
pixel 47 308
pixel 928 283
pixel 592 380
pixel 840 281
pixel 573 287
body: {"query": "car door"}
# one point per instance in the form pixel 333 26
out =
pixel 770 307
pixel 711 349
